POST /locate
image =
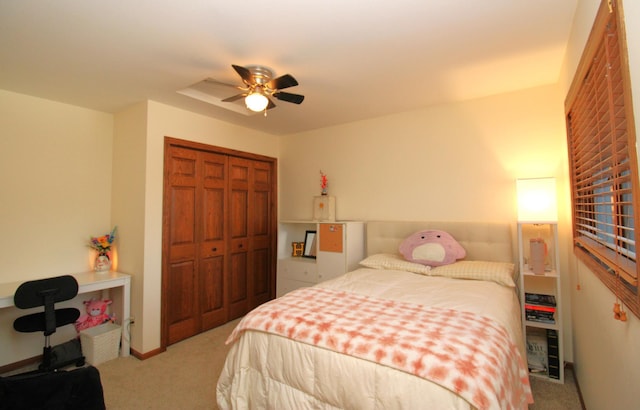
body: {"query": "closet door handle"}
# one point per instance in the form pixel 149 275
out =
pixel 214 249
pixel 240 246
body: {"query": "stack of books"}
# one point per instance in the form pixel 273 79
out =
pixel 540 308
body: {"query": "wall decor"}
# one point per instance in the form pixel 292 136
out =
pixel 324 208
pixel 309 244
pixel 297 248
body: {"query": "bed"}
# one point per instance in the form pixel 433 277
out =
pixel 384 336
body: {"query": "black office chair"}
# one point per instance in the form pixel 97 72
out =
pixel 78 389
pixel 47 292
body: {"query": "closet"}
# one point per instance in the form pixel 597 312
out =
pixel 219 236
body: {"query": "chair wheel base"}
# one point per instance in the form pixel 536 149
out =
pixel 63 355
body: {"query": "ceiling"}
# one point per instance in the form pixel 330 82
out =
pixel 353 59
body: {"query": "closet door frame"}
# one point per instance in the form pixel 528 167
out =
pixel 169 143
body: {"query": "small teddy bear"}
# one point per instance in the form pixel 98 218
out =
pixel 96 314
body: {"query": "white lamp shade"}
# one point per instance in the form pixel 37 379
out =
pixel 537 200
pixel 256 102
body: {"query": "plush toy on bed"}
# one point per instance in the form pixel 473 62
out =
pixel 432 248
pixel 96 314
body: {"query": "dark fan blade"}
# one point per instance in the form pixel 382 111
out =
pixel 246 75
pixel 282 82
pixel 271 104
pixel 234 98
pixel 288 97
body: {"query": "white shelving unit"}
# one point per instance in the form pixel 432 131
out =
pixel 546 282
pixel 340 247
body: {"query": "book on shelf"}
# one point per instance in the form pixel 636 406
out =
pixel 553 354
pixel 543 354
pixel 540 299
pixel 541 318
pixel 537 353
pixel 540 308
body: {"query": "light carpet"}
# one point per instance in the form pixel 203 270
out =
pixel 184 377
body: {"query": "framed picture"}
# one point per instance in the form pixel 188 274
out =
pixel 309 244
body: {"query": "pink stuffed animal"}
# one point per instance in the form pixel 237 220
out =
pixel 96 314
pixel 432 248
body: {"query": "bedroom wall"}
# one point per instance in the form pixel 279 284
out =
pixel 452 162
pixel 144 127
pixel 55 174
pixel 607 358
pixel 128 204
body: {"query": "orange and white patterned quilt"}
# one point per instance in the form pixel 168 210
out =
pixel 469 354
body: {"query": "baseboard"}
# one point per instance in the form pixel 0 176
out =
pixel 22 363
pixel 144 356
pixel 37 359
pixel 569 366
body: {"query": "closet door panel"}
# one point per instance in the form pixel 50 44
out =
pixel 260 234
pixel 183 225
pixel 183 320
pixel 238 297
pixel 182 316
pixel 261 283
pixel 239 205
pixel 212 308
pixel 214 197
pixel 212 241
pixel 239 213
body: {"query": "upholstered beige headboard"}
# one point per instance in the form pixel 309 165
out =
pixel 482 241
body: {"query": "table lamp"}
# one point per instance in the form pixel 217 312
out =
pixel 537 205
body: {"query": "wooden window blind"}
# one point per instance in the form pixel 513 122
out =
pixel 603 160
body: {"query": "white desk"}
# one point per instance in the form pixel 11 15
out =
pixel 91 282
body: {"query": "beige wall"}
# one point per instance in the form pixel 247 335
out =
pixel 128 204
pixel 606 353
pixel 55 177
pixel 447 162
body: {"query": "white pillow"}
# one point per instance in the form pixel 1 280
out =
pixel 499 272
pixel 394 262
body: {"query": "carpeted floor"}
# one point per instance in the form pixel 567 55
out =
pixel 554 396
pixel 184 377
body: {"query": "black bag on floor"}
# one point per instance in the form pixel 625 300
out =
pixel 58 390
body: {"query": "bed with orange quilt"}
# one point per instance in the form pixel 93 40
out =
pixel 389 334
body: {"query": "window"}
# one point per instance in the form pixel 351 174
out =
pixel 603 159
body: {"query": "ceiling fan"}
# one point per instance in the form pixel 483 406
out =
pixel 259 86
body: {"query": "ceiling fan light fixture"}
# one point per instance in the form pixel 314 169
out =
pixel 256 101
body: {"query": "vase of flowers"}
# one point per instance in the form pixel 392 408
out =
pixel 102 245
pixel 324 184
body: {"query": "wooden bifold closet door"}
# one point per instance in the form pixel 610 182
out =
pixel 218 237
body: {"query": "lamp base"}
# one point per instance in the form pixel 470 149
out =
pixel 537 254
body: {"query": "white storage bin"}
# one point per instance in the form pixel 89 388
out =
pixel 101 343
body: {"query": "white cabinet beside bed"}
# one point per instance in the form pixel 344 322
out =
pixel 339 249
pixel 542 313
